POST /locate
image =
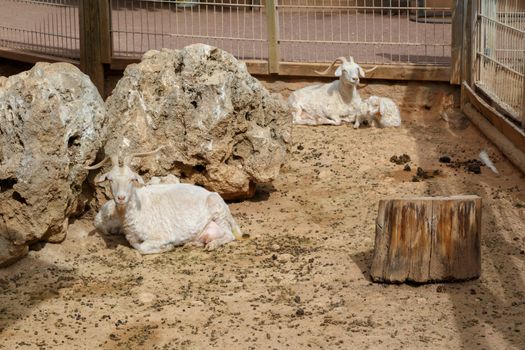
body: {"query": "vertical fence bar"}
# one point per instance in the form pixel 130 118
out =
pixel 457 41
pixel 489 34
pixel 474 37
pixel 467 67
pixel 470 42
pixel 273 36
pixel 523 106
pixel 105 31
pixel 91 41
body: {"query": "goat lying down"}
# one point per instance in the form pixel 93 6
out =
pixel 157 218
pixel 381 111
pixel 331 103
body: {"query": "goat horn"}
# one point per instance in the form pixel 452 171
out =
pixel 114 161
pixel 128 158
pixel 352 59
pixel 341 59
pixel 98 165
pixel 370 70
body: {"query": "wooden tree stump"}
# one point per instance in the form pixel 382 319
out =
pixel 427 240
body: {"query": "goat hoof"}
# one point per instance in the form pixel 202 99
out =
pixel 213 245
pixel 193 245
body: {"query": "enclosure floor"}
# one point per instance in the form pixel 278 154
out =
pixel 301 280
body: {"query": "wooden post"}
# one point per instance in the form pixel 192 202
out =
pixel 468 53
pixel 105 32
pixel 95 46
pixel 457 41
pixel 272 26
pixel 427 240
pixel 469 41
pixel 523 106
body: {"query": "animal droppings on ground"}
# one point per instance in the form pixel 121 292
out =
pixel 469 165
pixel 400 160
pixel 444 159
pixel 301 280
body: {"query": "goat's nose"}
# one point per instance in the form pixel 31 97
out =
pixel 121 198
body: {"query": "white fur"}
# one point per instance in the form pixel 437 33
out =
pixel 107 220
pixel 157 218
pixel 331 103
pixel 168 179
pixel 380 110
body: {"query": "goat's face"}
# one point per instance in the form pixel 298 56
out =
pixel 350 72
pixel 374 106
pixel 122 181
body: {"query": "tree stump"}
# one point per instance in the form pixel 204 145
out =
pixel 427 240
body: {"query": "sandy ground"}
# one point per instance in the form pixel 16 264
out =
pixel 301 280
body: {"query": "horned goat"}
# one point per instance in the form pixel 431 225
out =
pixel 157 218
pixel 330 103
pixel 379 110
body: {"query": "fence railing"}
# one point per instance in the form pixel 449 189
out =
pixel 375 32
pixel 288 37
pixel 47 28
pixel 500 54
pixel 391 32
pixel 239 27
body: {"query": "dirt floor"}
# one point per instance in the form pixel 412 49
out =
pixel 301 279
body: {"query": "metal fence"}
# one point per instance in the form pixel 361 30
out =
pixel 40 27
pixel 302 31
pixel 501 54
pixel 385 32
pixel 388 32
pixel 238 27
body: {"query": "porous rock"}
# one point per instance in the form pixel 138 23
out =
pixel 222 129
pixel 51 119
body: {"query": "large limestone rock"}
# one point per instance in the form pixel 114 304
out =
pixel 222 129
pixel 51 119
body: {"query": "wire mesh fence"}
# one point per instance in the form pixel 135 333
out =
pixel 501 53
pixel 389 32
pixel 373 31
pixel 47 27
pixel 384 32
pixel 237 26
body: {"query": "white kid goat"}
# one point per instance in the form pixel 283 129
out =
pixel 378 110
pixel 157 218
pixel 330 103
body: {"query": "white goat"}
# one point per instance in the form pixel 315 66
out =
pixel 157 218
pixel 330 103
pixel 107 220
pixel 378 110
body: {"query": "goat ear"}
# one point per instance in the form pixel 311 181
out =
pixel 361 72
pixel 138 178
pixel 101 178
pixel 338 71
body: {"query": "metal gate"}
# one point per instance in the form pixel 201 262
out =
pixel 500 55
